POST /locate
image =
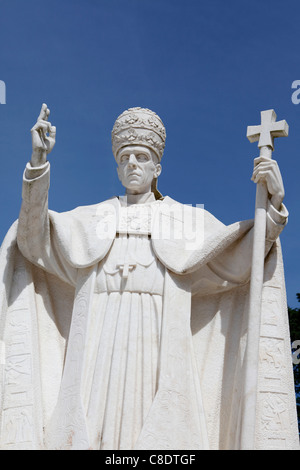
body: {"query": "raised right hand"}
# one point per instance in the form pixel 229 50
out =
pixel 43 137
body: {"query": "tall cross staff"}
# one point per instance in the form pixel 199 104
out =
pixel 264 134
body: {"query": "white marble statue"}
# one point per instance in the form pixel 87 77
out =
pixel 124 324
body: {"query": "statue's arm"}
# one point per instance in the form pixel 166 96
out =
pixel 276 221
pixel 34 235
pixel 233 266
pixel 267 170
pixel 238 261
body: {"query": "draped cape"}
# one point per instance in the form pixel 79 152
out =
pixel 199 398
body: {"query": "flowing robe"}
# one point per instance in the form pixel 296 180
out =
pixel 133 375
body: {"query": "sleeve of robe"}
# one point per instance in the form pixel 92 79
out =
pixel 233 266
pixel 35 238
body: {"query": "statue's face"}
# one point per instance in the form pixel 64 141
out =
pixel 137 166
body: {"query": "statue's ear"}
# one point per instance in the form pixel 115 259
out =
pixel 158 170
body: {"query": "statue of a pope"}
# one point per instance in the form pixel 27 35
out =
pixel 124 322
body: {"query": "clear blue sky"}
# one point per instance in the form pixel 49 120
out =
pixel 206 67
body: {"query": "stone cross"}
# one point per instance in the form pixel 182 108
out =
pixel 127 266
pixel 267 130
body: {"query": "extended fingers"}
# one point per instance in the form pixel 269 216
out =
pixel 44 113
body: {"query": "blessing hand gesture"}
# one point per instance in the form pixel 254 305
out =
pixel 43 137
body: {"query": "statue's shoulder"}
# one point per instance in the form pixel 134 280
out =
pixel 188 212
pixel 91 209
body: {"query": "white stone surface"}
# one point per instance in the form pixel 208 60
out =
pixel 124 323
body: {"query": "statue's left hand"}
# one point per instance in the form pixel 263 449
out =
pixel 266 169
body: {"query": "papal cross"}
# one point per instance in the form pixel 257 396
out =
pixel 264 134
pixel 267 130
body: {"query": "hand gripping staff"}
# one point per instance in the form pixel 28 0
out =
pixel 264 134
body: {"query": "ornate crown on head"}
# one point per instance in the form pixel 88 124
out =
pixel 139 126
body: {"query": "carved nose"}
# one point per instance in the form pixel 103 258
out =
pixel 132 161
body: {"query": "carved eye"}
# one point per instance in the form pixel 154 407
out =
pixel 124 158
pixel 142 157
